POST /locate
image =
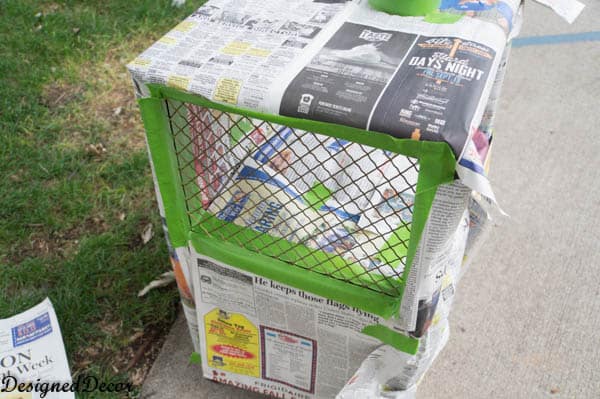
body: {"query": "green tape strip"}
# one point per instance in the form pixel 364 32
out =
pixel 438 17
pixel 163 157
pixel 405 7
pixel 436 166
pixel 392 338
pixel 252 241
pixel 411 148
pixel 274 269
pixel 195 358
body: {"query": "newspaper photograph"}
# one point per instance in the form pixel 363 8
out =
pixel 421 100
pixel 342 83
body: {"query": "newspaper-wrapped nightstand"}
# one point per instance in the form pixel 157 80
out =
pixel 321 173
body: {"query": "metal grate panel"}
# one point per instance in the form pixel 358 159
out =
pixel 326 205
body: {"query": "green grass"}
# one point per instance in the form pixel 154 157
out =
pixel 70 217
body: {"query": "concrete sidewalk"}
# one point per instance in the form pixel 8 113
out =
pixel 527 317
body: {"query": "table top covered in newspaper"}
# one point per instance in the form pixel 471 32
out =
pixel 344 62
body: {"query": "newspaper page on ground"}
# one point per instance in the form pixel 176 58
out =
pixel 32 352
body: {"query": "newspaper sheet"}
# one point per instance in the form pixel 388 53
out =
pixel 179 258
pixel 441 249
pixel 274 339
pixel 567 9
pixel 342 62
pixel 390 374
pixel 32 354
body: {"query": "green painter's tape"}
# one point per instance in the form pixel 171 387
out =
pixel 435 168
pixel 405 7
pixel 438 17
pixel 392 338
pixel 163 157
pixel 408 147
pixel 274 269
pixel 298 254
pixel 195 358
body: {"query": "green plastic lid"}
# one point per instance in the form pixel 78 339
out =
pixel 406 7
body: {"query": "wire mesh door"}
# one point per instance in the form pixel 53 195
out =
pixel 326 205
